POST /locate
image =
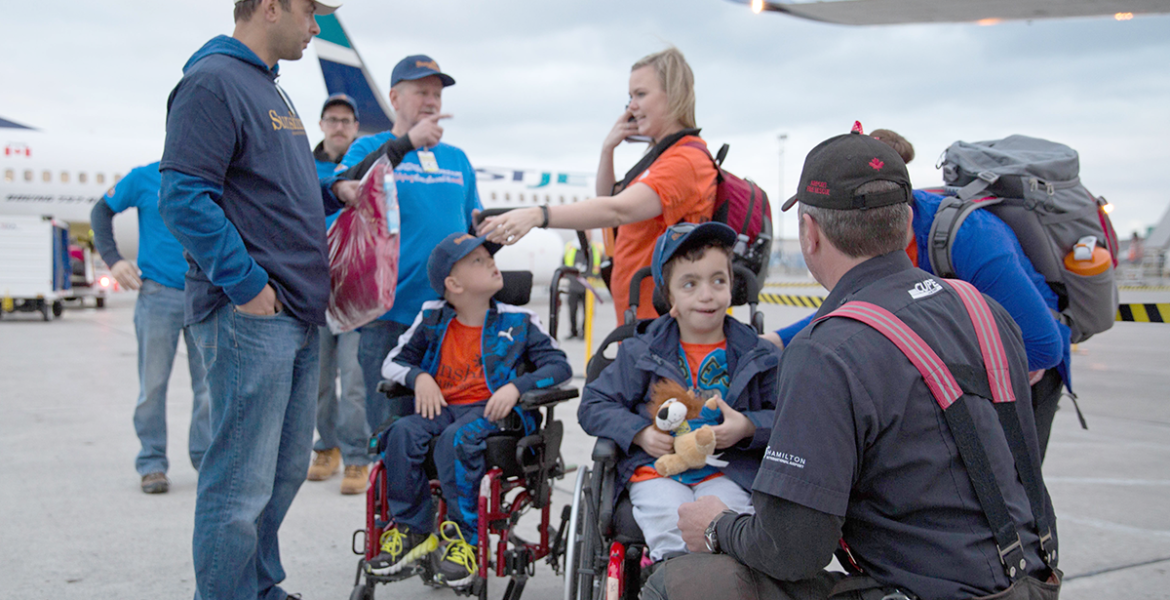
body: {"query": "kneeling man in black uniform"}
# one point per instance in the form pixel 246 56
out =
pixel 904 438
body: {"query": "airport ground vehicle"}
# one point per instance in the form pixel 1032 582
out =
pixel 521 468
pixel 604 550
pixel 34 265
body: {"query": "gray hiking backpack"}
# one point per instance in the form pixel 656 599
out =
pixel 1033 185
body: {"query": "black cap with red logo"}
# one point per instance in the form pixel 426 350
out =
pixel 838 166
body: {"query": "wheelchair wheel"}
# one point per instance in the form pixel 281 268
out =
pixel 581 582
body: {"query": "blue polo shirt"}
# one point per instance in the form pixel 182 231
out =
pixel 160 255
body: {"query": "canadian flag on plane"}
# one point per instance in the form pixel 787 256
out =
pixel 17 150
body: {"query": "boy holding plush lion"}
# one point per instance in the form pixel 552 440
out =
pixel 690 383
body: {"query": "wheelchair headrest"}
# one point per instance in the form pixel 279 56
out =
pixel 517 288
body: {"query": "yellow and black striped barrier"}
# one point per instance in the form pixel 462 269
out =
pixel 1144 313
pixel 789 300
pixel 1144 288
pixel 1138 313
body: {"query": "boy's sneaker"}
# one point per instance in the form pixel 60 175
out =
pixel 455 562
pixel 400 547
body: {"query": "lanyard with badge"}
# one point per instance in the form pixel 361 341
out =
pixel 426 159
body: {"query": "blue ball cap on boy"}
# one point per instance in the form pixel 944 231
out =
pixel 449 251
pixel 682 237
pixel 417 67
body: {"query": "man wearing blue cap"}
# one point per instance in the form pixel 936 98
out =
pixel 339 122
pixel 436 197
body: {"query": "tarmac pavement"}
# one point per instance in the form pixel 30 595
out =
pixel 76 525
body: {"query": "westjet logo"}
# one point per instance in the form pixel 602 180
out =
pixel 924 289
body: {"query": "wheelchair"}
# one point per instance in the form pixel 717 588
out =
pixel 603 554
pixel 519 478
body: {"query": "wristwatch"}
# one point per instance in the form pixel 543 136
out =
pixel 711 536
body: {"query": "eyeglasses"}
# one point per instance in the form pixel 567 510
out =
pixel 334 121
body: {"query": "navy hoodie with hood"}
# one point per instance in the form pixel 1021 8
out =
pixel 240 188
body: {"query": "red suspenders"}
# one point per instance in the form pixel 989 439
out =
pixel 950 397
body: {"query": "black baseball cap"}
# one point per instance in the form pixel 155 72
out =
pixel 340 98
pixel 838 166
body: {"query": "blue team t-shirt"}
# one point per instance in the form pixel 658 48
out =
pixel 160 255
pixel 431 206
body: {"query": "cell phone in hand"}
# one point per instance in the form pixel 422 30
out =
pixel 634 139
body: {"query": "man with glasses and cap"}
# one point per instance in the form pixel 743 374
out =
pixel 339 123
pixel 917 481
pixel 436 197
pixel 239 191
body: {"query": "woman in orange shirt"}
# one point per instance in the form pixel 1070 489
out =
pixel 674 181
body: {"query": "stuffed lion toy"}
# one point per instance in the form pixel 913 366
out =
pixel 679 412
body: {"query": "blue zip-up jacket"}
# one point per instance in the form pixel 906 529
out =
pixel 614 404
pixel 511 335
pixel 240 189
pixel 988 256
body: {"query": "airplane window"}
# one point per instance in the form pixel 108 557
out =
pixel 117 177
pixel 521 197
pixel 81 178
pixel 28 175
pixel 100 177
pixel 9 175
pixel 493 195
pixel 546 200
pixel 562 199
pixel 64 176
pixel 507 197
pixel 47 177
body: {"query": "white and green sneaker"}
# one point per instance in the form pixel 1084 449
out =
pixel 454 561
pixel 400 548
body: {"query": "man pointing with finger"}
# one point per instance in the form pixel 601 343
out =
pixel 436 196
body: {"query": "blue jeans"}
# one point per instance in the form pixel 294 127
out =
pixel 377 340
pixel 263 374
pixel 341 422
pixel 158 322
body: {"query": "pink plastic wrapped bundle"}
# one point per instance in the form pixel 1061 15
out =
pixel 363 253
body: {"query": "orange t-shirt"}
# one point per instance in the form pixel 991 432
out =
pixel 695 355
pixel 684 179
pixel 460 375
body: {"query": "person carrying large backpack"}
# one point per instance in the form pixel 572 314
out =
pixel 984 251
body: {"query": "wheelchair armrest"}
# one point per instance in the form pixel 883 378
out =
pixel 546 397
pixel 606 451
pixel 393 389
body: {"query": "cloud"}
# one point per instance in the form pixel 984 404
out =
pixel 541 83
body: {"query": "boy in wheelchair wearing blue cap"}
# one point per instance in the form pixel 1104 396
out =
pixel 701 347
pixel 461 357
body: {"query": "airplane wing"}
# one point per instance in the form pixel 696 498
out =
pixel 893 12
pixel 345 72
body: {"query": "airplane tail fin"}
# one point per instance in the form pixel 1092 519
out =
pixel 6 124
pixel 346 73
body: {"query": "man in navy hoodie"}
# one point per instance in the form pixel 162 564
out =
pixel 240 192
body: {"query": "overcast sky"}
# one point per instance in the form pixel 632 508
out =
pixel 540 83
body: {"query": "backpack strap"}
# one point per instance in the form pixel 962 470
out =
pixel 947 220
pixel 951 399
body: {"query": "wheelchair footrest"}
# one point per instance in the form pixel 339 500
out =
pixel 519 563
